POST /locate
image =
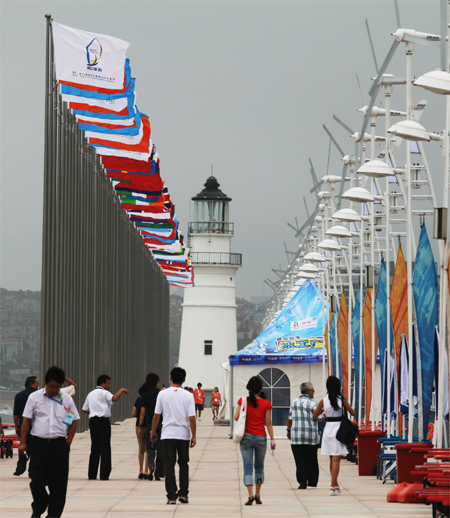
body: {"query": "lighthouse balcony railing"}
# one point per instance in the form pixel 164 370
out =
pixel 211 227
pixel 216 258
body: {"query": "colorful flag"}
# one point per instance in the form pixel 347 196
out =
pixel 342 330
pixel 357 352
pixel 371 358
pixel 426 301
pixel 89 59
pixel 126 142
pixel 399 303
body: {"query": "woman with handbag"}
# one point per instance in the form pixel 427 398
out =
pixel 254 441
pixel 331 405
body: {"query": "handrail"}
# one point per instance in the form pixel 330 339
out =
pixel 216 258
pixel 211 227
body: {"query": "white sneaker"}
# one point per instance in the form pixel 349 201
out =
pixel 338 490
pixel 333 492
pixel 199 418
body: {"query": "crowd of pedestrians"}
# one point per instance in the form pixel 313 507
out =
pixel 166 422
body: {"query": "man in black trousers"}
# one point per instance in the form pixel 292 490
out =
pixel 20 400
pixel 302 430
pixel 53 417
pixel 98 406
pixel 155 449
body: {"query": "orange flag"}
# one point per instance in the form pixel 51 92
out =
pixel 399 303
pixel 342 331
pixel 367 325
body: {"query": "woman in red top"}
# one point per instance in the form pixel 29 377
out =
pixel 254 442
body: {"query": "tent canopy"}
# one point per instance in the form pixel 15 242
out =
pixel 295 336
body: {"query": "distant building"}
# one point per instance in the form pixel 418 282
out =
pixel 20 333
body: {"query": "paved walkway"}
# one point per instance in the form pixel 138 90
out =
pixel 216 487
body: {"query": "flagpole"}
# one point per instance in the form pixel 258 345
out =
pixel 409 50
pixel 361 281
pixel 46 201
pixel 387 95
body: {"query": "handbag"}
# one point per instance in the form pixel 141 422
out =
pixel 239 429
pixel 347 430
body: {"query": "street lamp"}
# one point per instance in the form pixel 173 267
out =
pixel 332 246
pixel 360 195
pixel 438 81
pixel 374 169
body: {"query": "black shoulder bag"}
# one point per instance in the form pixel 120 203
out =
pixel 347 430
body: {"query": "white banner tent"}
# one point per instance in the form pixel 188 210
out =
pixel 286 354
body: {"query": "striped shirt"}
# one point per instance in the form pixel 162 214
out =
pixel 304 428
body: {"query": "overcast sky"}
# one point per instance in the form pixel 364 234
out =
pixel 243 85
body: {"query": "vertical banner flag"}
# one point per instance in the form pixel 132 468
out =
pixel 327 342
pixel 358 354
pixel 426 300
pixel 399 303
pixel 334 347
pixel 342 330
pixel 403 388
pixel 371 359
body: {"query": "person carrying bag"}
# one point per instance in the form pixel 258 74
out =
pixel 333 405
pixel 239 429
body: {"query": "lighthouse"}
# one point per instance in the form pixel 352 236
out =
pixel 208 328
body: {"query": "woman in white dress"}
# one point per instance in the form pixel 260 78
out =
pixel 331 406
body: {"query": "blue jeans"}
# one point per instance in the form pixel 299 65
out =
pixel 253 450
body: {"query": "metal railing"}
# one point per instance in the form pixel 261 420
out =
pixel 216 258
pixel 211 227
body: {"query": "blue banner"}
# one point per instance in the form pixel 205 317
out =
pixel 295 336
pixel 426 300
pixel 359 363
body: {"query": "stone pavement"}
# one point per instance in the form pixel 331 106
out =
pixel 216 487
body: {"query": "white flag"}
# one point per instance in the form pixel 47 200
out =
pixel 89 59
pixel 122 153
pixel 114 105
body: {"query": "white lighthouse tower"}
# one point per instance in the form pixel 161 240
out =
pixel 208 329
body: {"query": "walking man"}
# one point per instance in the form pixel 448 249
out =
pixel 155 448
pixel 178 433
pixel 215 402
pixel 53 417
pixel 98 406
pixel 303 433
pixel 199 397
pixel 20 400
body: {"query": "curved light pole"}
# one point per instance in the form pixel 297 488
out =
pixel 409 130
pixel 438 82
pixel 374 169
pixel 331 245
pixel 360 195
pixel 316 257
pixel 349 216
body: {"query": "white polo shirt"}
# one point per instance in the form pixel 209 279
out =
pixel 98 403
pixel 47 414
pixel 176 405
pixel 70 389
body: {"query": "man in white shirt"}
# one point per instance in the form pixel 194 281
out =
pixel 178 433
pixel 53 417
pixel 98 406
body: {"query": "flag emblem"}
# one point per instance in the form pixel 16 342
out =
pixel 93 52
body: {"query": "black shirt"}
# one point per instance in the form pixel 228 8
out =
pixel 138 406
pixel 149 402
pixel 20 400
